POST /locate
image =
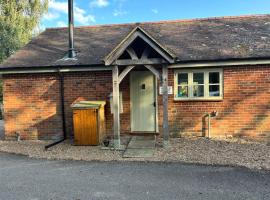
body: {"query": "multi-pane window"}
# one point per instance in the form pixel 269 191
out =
pixel 198 84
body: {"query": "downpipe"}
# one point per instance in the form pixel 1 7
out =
pixel 71 54
pixel 209 116
pixel 61 78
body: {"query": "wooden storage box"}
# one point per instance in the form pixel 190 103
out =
pixel 89 122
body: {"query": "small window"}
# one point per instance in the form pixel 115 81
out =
pixel 182 85
pixel 198 84
pixel 214 84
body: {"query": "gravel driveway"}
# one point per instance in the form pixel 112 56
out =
pixel 253 155
pixel 31 179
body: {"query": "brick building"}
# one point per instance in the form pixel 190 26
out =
pixel 201 65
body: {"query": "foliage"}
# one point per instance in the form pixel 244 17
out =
pixel 18 21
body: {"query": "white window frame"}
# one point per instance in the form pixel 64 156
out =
pixel 190 84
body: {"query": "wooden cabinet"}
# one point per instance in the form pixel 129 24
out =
pixel 89 122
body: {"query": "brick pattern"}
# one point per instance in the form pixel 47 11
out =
pixel 32 104
pixel 93 86
pixel 244 111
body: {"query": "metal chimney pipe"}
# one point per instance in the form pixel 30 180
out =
pixel 71 51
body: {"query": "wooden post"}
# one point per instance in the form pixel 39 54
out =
pixel 165 105
pixel 116 112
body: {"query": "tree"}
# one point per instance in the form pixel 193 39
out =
pixel 18 20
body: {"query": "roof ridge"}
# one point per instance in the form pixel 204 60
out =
pixel 166 21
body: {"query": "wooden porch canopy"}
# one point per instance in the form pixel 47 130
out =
pixel 139 49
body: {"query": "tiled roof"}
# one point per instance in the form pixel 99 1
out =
pixel 208 39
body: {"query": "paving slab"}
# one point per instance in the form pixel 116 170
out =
pixel 140 147
pixel 139 153
pixel 142 142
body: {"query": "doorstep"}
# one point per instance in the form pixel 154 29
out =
pixel 140 147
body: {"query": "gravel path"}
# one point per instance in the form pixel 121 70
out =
pixel 253 155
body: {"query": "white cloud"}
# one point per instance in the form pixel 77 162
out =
pixel 99 3
pixel 154 11
pixel 61 24
pixel 119 12
pixel 80 15
pixel 51 16
pixel 59 6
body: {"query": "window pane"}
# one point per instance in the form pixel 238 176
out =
pixel 198 90
pixel 198 78
pixel 213 77
pixel 182 91
pixel 183 79
pixel 214 91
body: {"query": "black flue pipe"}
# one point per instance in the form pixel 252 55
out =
pixel 71 51
pixel 62 97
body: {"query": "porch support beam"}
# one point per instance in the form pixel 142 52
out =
pixel 146 52
pixel 165 106
pixel 142 61
pixel 116 111
pixel 132 53
pixel 154 71
pixel 124 73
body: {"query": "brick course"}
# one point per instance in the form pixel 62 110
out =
pixel 32 104
pixel 244 111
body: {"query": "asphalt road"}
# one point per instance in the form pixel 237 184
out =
pixel 30 179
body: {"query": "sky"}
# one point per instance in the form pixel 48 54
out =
pixel 95 12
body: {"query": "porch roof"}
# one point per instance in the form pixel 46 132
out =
pixel 208 39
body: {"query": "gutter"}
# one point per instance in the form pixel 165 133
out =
pixel 52 69
pixel 220 63
pixel 61 78
pixel 100 67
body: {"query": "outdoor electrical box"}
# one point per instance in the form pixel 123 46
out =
pixel 120 102
pixel 89 122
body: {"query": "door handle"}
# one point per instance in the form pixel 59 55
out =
pixel 154 104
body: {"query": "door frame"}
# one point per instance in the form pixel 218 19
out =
pixel 155 98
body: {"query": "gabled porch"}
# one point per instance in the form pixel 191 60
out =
pixel 147 62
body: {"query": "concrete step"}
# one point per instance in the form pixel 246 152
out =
pixel 140 147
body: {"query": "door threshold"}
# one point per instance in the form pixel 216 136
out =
pixel 143 133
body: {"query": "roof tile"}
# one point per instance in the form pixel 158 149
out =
pixel 190 40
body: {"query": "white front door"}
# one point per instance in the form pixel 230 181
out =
pixel 143 98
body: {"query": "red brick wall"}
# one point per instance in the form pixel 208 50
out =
pixel 93 86
pixel 32 104
pixel 244 111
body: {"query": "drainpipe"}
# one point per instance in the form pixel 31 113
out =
pixel 209 124
pixel 61 78
pixel 210 115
